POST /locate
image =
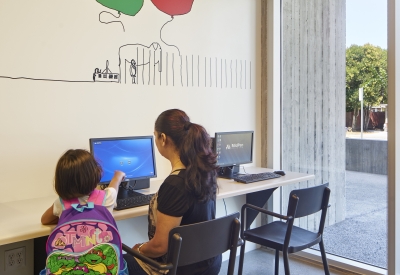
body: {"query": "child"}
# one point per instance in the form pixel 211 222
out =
pixel 86 237
pixel 77 175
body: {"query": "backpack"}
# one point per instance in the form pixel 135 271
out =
pixel 85 241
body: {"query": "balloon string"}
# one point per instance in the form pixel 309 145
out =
pixel 119 14
pixel 180 57
pixel 172 18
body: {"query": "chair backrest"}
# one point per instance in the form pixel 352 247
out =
pixel 197 242
pixel 311 200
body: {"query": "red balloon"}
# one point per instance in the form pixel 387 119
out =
pixel 173 7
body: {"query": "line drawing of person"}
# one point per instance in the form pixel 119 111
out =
pixel 143 56
pixel 132 70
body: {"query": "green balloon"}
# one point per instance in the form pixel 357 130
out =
pixel 128 7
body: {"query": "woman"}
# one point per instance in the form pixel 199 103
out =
pixel 186 196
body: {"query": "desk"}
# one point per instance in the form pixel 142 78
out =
pixel 20 220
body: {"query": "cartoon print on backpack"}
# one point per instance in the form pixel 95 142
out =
pixel 86 239
pixel 80 237
pixel 103 259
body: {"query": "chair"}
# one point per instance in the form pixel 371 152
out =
pixel 283 235
pixel 197 242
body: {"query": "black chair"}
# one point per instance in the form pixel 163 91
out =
pixel 283 235
pixel 197 242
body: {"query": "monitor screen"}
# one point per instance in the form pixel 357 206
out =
pixel 132 155
pixel 233 148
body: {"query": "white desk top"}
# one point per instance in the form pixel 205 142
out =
pixel 20 220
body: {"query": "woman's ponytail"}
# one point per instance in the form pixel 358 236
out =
pixel 194 146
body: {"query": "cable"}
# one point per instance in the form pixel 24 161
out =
pixel 226 212
pixel 132 187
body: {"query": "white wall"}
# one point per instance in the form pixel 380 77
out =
pixel 49 102
pixel 65 41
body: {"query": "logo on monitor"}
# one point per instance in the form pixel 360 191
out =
pixel 237 145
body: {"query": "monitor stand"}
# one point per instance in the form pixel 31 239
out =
pixel 126 188
pixel 140 184
pixel 228 172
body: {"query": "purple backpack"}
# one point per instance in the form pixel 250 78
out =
pixel 85 241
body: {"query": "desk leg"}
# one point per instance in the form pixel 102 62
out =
pixel 258 199
pixel 39 256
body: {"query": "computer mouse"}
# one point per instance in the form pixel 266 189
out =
pixel 280 172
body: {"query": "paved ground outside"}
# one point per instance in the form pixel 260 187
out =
pixel 368 135
pixel 362 236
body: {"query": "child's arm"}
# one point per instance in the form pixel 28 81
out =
pixel 48 217
pixel 118 177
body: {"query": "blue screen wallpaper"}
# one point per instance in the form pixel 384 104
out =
pixel 132 156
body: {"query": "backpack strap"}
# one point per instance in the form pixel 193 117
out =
pixel 97 197
pixel 62 203
pixel 67 204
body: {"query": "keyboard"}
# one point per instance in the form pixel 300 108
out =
pixel 133 199
pixel 247 178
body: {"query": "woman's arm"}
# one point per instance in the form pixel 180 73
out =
pixel 158 246
pixel 48 217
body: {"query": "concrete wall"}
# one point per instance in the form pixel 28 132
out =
pixel 368 156
pixel 313 97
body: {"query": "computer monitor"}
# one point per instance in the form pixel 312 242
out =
pixel 232 150
pixel 132 155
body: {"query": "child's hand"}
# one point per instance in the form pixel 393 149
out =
pixel 119 175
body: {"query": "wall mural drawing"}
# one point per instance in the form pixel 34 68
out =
pixel 136 62
pixel 170 45
pixel 106 75
pixel 103 13
pixel 135 56
pixel 174 7
pixel 128 7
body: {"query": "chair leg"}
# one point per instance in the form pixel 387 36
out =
pixel 276 262
pixel 286 262
pixel 323 256
pixel 241 258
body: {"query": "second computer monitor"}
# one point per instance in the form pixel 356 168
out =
pixel 232 150
pixel 132 155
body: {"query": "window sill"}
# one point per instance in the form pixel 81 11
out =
pixel 341 263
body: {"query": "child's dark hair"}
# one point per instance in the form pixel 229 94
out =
pixel 194 146
pixel 77 174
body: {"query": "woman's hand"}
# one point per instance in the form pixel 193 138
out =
pixel 137 246
pixel 158 245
